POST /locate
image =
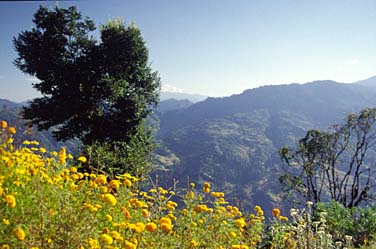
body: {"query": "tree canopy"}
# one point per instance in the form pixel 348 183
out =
pixel 94 91
pixel 334 165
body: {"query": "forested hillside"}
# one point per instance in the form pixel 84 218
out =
pixel 234 141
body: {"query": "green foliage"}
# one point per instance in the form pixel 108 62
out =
pixel 359 222
pixel 116 158
pixel 96 91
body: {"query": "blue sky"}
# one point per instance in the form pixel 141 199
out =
pixel 221 47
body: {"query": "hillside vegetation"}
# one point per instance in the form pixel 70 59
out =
pixel 49 202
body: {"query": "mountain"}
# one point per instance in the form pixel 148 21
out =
pixel 181 96
pixel 172 104
pixel 370 82
pixel 233 141
pixel 7 104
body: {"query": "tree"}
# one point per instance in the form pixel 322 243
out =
pixel 334 164
pixel 95 91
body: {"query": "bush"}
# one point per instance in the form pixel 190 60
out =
pixel 359 223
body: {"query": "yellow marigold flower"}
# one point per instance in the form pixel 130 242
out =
pixel 53 153
pixel 166 220
pixel 42 150
pixel 101 179
pixel 206 185
pixel 12 130
pixel 140 227
pixel 151 227
pixel 82 159
pixel 109 199
pixel 257 208
pixel 239 247
pixel 232 234
pixel 166 227
pixel 73 170
pixel 240 223
pixel 6 221
pixel 10 200
pixel 106 239
pixel 206 190
pixel 19 233
pixel 93 243
pixel 283 218
pixel 145 213
pixel 193 243
pixel 108 217
pixel 166 224
pixel 276 212
pixel 3 124
pixel 127 182
pixel 69 156
pixel 129 245
pixel 62 156
pixel 5 246
pixel 115 183
pixel 192 184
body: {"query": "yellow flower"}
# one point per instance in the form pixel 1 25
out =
pixel 82 159
pixel 109 199
pixel 19 233
pixel 101 179
pixel 10 200
pixel 239 247
pixel 42 150
pixel 139 227
pixel 12 130
pixel 62 155
pixel 232 234
pixel 166 224
pixel 106 239
pixel 193 243
pixel 73 170
pixel 206 190
pixel 130 245
pixel 166 227
pixel 283 218
pixel 115 183
pixel 3 124
pixel 108 217
pixel 240 223
pixel 127 182
pixel 145 213
pixel 6 221
pixel 151 227
pixel 276 212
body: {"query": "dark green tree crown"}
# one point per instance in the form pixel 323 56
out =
pixel 96 91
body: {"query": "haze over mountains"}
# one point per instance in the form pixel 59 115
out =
pixel 233 141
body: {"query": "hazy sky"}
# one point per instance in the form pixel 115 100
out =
pixel 222 47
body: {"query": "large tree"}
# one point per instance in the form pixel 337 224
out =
pixel 335 164
pixel 94 91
